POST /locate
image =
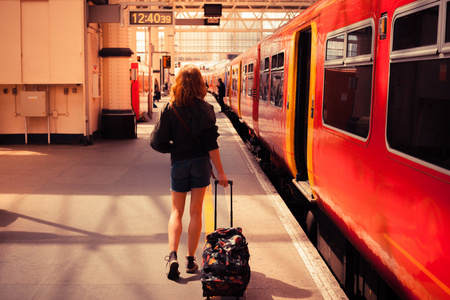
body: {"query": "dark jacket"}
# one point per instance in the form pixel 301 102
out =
pixel 170 135
pixel 221 88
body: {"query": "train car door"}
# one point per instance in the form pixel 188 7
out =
pixel 255 95
pixel 304 114
pixel 228 84
pixel 239 89
pixel 302 104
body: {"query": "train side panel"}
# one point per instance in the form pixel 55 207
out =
pixel 376 128
pixel 272 116
pixel 394 210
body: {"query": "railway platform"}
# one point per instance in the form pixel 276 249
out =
pixel 90 222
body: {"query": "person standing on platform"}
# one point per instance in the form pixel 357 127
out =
pixel 187 130
pixel 166 88
pixel 221 88
pixel 157 95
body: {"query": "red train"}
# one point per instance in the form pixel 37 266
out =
pixel 352 99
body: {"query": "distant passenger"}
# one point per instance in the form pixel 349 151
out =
pixel 187 130
pixel 157 91
pixel 166 87
pixel 221 88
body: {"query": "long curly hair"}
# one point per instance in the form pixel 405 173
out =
pixel 189 84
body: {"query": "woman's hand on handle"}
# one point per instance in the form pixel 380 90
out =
pixel 222 178
pixel 215 158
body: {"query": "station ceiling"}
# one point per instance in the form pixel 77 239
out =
pixel 243 23
pixel 244 16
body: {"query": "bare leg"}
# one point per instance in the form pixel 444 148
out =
pixel 175 220
pixel 195 225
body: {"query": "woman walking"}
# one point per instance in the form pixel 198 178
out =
pixel 187 130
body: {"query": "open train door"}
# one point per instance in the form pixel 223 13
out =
pixel 304 112
pixel 239 89
pixel 228 83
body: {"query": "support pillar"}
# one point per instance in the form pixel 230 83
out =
pixel 118 116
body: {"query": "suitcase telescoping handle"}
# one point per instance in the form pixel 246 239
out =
pixel 230 182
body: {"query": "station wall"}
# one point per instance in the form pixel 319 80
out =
pixel 47 46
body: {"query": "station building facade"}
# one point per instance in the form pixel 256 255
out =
pixel 48 60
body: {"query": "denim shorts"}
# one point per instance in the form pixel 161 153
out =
pixel 190 173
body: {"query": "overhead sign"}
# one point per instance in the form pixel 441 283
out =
pixel 197 22
pixel 150 18
pixel 166 62
pixel 104 13
pixel 212 21
pixel 212 10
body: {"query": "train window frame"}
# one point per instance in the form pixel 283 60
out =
pixel 358 57
pixel 348 63
pixel 264 72
pixel 346 31
pixel 274 64
pixel 234 87
pixel 339 58
pixel 425 104
pixel 428 50
pixel 277 100
pixel 250 80
pixel 280 60
pixel 232 79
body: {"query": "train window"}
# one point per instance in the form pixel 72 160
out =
pixel 418 117
pixel 250 80
pixel 277 80
pixel 276 89
pixel 359 42
pixel 234 82
pixel 274 62
pixel 264 86
pixel 347 95
pixel 264 80
pixel 243 84
pixel 266 63
pixel 347 99
pixel 245 69
pixel 419 110
pixel 416 30
pixel 281 60
pixel 335 48
pixel 250 86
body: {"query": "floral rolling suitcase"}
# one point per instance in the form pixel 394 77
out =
pixel 225 268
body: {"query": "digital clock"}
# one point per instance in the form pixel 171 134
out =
pixel 149 18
